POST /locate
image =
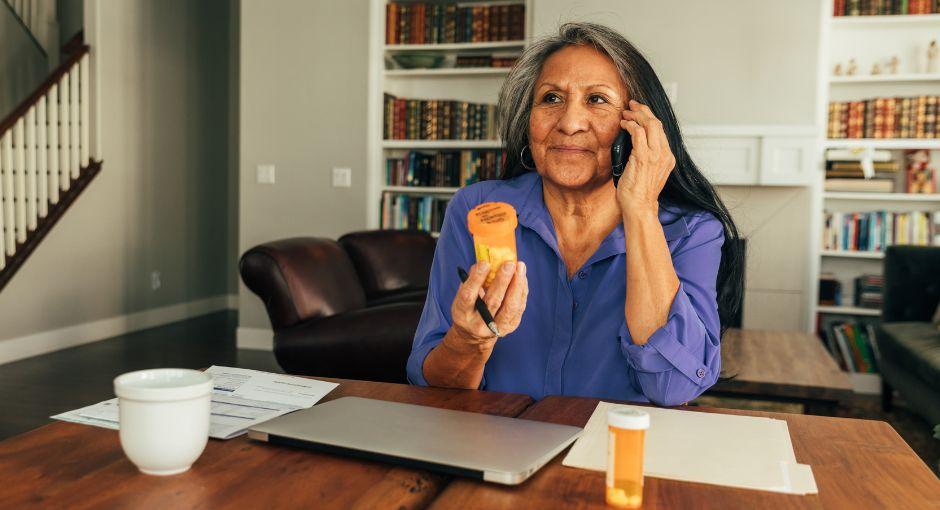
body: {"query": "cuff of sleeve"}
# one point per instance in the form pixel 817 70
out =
pixel 663 351
pixel 415 369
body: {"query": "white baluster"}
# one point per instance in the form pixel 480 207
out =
pixel 74 165
pixel 85 142
pixel 31 192
pixel 3 241
pixel 53 99
pixel 42 164
pixel 19 165
pixel 64 183
pixel 9 230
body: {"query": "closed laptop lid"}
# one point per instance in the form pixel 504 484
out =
pixel 494 448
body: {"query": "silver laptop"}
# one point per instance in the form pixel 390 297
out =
pixel 491 448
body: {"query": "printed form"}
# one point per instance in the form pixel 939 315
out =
pixel 241 399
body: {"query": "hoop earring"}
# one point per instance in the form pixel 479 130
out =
pixel 522 158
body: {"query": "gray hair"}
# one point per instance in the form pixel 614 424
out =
pixel 515 96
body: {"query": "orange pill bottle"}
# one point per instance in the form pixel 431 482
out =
pixel 493 225
pixel 626 429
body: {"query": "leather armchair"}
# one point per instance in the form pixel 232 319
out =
pixel 343 309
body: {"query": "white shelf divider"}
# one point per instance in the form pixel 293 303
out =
pixel 448 71
pixel 848 310
pixel 884 143
pixel 886 78
pixel 493 45
pixel 421 190
pixel 853 254
pixel 441 144
pixel 882 197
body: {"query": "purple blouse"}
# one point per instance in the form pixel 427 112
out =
pixel 573 338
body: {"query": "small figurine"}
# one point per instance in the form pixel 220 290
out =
pixel 876 68
pixel 838 70
pixel 853 67
pixel 932 57
pixel 893 65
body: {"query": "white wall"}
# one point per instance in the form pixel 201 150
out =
pixel 735 62
pixel 303 89
pixel 161 201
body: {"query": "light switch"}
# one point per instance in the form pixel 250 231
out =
pixel 342 177
pixel 266 174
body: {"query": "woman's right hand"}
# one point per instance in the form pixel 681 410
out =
pixel 506 299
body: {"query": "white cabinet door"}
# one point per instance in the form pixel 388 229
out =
pixel 787 161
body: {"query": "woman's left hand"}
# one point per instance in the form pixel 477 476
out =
pixel 649 163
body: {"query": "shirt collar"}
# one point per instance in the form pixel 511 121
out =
pixel 524 193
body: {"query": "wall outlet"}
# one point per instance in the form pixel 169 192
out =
pixel 342 177
pixel 266 174
pixel 155 283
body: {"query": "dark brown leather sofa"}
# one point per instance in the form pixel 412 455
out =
pixel 346 308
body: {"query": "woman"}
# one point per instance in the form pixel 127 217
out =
pixel 615 294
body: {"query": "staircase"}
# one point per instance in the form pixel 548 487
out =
pixel 45 160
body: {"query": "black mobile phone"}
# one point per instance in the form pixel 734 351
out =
pixel 619 154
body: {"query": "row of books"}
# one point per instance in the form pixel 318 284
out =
pixel 854 346
pixel 874 231
pixel 419 119
pixel 885 117
pixel 883 7
pixel 444 168
pixel 402 211
pixel 437 23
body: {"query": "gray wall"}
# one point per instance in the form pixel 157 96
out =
pixel 70 15
pixel 303 89
pixel 162 199
pixel 22 63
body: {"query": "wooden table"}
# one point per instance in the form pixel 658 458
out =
pixel 857 463
pixel 786 366
pixel 65 465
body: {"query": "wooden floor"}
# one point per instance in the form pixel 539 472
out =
pixel 33 389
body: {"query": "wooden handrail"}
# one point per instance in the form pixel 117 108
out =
pixel 10 120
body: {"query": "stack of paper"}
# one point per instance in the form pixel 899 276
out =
pixel 720 449
pixel 240 399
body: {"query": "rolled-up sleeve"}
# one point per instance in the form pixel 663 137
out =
pixel 683 357
pixel 454 248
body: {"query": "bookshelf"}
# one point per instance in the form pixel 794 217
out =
pixel 869 40
pixel 442 81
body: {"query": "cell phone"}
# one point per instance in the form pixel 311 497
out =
pixel 619 154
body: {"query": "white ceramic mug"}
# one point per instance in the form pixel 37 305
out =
pixel 164 417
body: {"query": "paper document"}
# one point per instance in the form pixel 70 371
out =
pixel 720 449
pixel 241 399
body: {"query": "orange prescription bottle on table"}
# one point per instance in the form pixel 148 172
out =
pixel 493 225
pixel 626 430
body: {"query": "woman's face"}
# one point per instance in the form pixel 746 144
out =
pixel 575 117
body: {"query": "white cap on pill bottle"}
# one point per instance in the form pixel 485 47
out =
pixel 628 418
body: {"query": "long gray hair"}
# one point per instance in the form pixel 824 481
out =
pixel 686 187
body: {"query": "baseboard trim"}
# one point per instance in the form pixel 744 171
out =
pixel 14 349
pixel 255 338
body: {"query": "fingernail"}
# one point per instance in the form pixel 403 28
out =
pixel 483 267
pixel 509 267
pixel 521 268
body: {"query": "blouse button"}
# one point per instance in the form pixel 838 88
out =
pixel 700 373
pixel 582 275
